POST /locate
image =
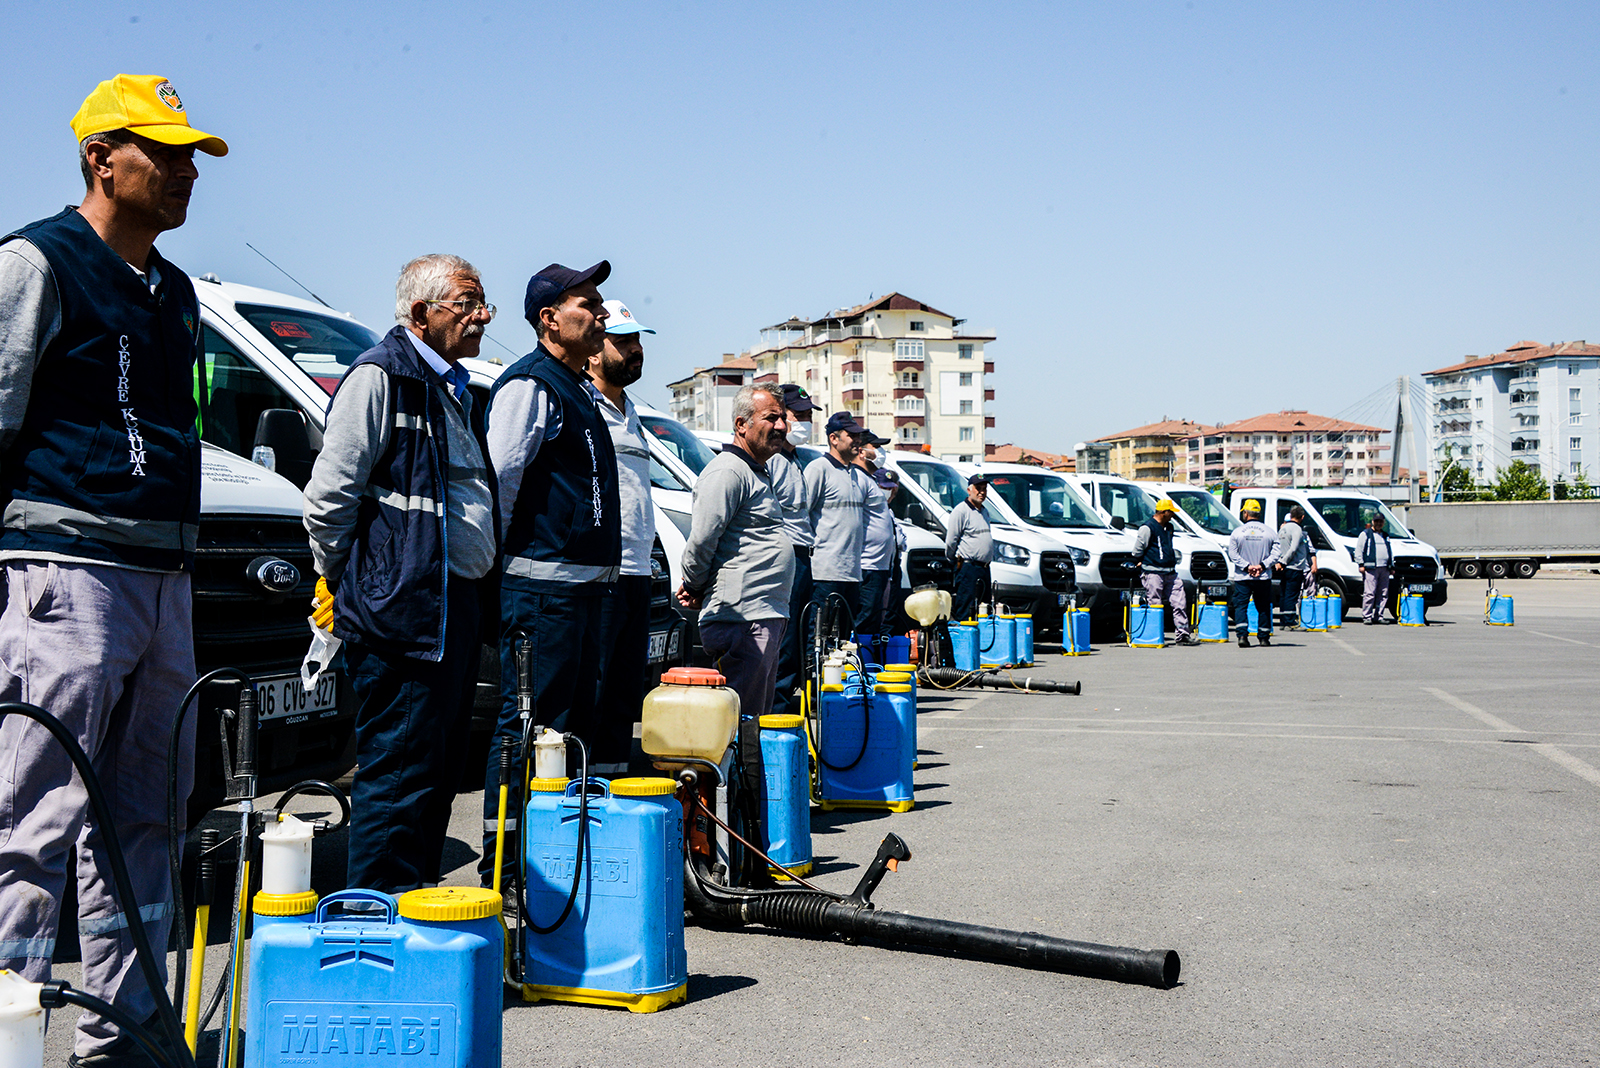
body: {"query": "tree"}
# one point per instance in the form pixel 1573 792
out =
pixel 1457 483
pixel 1520 482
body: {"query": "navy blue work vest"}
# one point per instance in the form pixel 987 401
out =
pixel 393 590
pixel 1158 553
pixel 106 465
pixel 565 531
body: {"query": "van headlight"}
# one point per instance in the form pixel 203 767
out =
pixel 1006 553
pixel 1080 557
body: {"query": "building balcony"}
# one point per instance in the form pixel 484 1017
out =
pixel 908 420
pixel 909 363
pixel 856 395
pixel 766 379
pixel 852 366
pixel 909 406
pixel 908 391
pixel 988 367
pixel 988 422
pixel 1524 398
pixel 988 394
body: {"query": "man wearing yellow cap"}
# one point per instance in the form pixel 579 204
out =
pixel 1252 550
pixel 100 486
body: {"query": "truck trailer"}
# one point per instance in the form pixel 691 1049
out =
pixel 1508 539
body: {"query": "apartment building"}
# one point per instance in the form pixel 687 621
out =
pixel 1533 402
pixel 1156 452
pixel 908 372
pixel 1287 448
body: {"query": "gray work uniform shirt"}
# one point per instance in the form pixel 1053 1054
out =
pixel 1252 543
pixel 1294 548
pixel 789 479
pixel 738 557
pixel 633 482
pixel 837 498
pixel 878 548
pixel 967 535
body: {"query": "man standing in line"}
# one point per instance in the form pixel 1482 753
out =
pixel 1158 562
pixel 560 530
pixel 789 481
pixel 880 545
pixel 1252 550
pixel 101 490
pixel 624 617
pixel 836 492
pixel 967 541
pixel 410 617
pixel 1375 557
pixel 1296 560
pixel 738 566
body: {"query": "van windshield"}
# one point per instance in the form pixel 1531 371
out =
pixel 1205 510
pixel 1044 500
pixel 679 440
pixel 323 346
pixel 1347 515
pixel 1128 503
pixel 944 484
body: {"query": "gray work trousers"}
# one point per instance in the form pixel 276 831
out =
pixel 110 653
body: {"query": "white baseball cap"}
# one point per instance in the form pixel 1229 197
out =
pixel 621 320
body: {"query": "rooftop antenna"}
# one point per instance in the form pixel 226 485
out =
pixel 287 275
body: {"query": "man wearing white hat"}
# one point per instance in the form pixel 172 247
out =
pixel 625 616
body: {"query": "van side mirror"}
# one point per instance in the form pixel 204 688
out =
pixel 283 444
pixel 1118 522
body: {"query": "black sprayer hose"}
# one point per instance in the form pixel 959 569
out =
pixel 58 995
pixel 317 786
pixel 119 869
pixel 175 834
pixel 951 678
pixel 583 839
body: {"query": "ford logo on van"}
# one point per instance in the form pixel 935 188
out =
pixel 277 576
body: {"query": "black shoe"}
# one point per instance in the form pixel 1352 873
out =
pixel 1188 639
pixel 1244 641
pixel 1266 640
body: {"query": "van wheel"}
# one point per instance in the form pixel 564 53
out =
pixel 1524 568
pixel 1497 569
pixel 1469 569
pixel 1329 584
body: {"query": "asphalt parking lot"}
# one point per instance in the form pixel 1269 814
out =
pixel 1372 846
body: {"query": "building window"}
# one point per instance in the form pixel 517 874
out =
pixel 964 458
pixel 853 378
pixel 910 380
pixel 1575 444
pixel 966 379
pixel 918 326
pixel 1575 396
pixel 966 408
pixel 1477 402
pixel 1575 419
pixel 966 433
pixel 908 350
pixel 964 352
pixel 1572 368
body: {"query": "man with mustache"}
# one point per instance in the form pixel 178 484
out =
pixel 625 616
pixel 560 530
pixel 400 510
pixel 738 565
pixel 100 482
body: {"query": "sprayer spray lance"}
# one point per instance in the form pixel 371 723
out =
pixel 241 788
pixel 205 888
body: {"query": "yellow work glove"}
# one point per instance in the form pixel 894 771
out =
pixel 322 605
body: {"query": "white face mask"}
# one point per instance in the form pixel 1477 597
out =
pixel 799 433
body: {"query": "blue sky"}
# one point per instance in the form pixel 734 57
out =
pixel 1174 209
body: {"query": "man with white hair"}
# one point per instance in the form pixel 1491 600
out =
pixel 402 520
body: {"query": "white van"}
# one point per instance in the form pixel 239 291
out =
pixel 1335 518
pixel 1201 513
pixel 1035 498
pixel 1127 505
pixel 1031 572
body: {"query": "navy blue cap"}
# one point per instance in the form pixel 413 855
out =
pixel 546 287
pixel 869 438
pixel 844 421
pixel 796 399
pixel 979 479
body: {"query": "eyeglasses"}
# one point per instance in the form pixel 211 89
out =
pixel 469 307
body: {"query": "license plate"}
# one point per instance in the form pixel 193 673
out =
pixel 1421 587
pixel 658 647
pixel 285 696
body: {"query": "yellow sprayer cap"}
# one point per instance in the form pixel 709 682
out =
pixel 894 676
pixel 653 786
pixel 548 786
pixel 892 687
pixel 780 722
pixel 909 669
pixel 833 687
pixel 445 904
pixel 265 904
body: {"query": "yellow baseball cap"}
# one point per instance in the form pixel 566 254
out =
pixel 1165 505
pixel 147 105
pixel 1251 505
